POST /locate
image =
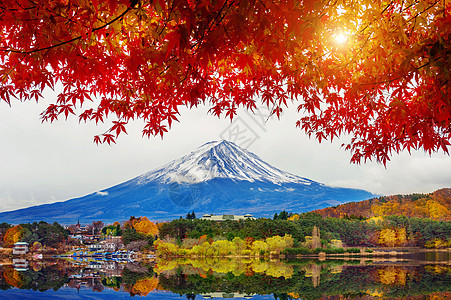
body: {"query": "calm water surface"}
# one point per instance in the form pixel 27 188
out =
pixel 424 278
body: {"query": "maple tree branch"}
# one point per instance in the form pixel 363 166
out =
pixel 263 4
pixel 27 8
pixel 381 13
pixel 62 16
pixel 419 13
pixel 68 41
pixel 212 23
pixel 5 76
pixel 358 52
pixel 381 82
pixel 407 21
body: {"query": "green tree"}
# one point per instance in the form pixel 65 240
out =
pixel 130 234
pixel 190 216
pixel 44 233
pixel 112 230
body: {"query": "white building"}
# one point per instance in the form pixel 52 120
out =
pixel 20 248
pixel 227 295
pixel 227 217
pixel 95 247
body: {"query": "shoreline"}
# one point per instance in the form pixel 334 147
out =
pixel 378 254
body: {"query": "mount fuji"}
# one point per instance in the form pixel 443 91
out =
pixel 218 177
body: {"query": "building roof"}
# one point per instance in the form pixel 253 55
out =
pixel 21 243
pixel 226 217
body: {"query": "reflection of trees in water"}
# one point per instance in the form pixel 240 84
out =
pixel 13 277
pixel 393 275
pixel 144 286
pixel 311 280
pixel 112 282
pixel 139 279
pixel 43 279
pixel 98 287
pixel 209 265
pixel 298 279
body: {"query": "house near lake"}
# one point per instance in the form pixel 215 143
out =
pixel 228 295
pixel 220 218
pixel 20 248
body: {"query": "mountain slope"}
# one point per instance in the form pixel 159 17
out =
pixel 436 205
pixel 218 177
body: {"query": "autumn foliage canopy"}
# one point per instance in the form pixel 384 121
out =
pixel 375 71
pixel 436 206
pixel 143 225
pixel 13 235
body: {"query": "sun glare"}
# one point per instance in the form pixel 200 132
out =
pixel 340 38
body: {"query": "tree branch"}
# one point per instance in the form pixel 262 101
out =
pixel 68 41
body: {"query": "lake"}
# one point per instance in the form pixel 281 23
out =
pixel 426 277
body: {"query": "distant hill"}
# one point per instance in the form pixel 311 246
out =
pixel 436 205
pixel 218 177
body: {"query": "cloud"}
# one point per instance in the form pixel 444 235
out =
pixel 11 201
pixel 405 174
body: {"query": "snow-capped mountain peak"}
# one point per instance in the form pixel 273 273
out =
pixel 218 177
pixel 219 159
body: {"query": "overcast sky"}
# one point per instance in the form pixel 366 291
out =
pixel 43 162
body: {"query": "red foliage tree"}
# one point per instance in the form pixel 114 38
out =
pixel 387 86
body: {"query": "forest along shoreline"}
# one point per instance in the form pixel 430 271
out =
pixel 306 235
pixel 368 255
pixel 375 228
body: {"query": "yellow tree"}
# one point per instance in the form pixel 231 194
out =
pixel 259 246
pixel 401 236
pixel 145 226
pixel 278 243
pixel 294 217
pixel 392 237
pixel 436 210
pixel 13 235
pixel 387 237
pixel 164 248
pixel 239 242
pixel 223 247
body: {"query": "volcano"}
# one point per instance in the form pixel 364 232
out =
pixel 218 177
